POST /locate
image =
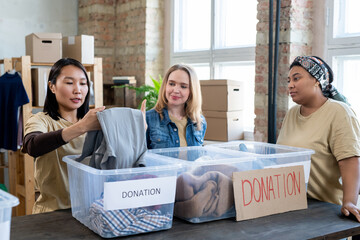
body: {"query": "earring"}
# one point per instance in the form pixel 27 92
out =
pixel 316 84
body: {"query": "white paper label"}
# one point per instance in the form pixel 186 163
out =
pixel 5 230
pixel 139 193
pixel 71 40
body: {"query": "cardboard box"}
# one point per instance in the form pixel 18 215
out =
pixel 39 80
pixel 224 126
pixel 44 47
pixel 222 95
pixel 80 48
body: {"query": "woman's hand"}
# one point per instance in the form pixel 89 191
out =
pixel 348 208
pixel 350 174
pixel 143 110
pixel 90 121
pixel 86 124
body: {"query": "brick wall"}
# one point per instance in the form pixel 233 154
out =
pixel 97 17
pixel 128 36
pixel 295 39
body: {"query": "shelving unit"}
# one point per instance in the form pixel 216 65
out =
pixel 21 166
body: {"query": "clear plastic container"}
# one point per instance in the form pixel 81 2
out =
pixel 204 190
pixel 7 202
pixel 271 155
pixel 88 199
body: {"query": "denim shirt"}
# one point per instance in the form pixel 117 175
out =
pixel 164 133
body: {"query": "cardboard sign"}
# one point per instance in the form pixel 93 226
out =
pixel 139 193
pixel 264 192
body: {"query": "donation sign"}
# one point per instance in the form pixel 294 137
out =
pixel 139 193
pixel 264 192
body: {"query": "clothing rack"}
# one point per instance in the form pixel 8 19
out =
pixel 21 166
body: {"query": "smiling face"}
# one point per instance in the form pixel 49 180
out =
pixel 177 89
pixel 303 88
pixel 70 88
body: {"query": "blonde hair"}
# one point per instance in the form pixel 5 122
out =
pixel 194 102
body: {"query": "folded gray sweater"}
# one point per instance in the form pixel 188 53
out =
pixel 121 142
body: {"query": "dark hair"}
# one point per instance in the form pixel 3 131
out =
pixel 51 106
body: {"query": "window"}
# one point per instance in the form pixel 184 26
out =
pixel 217 38
pixel 344 48
pixel 346 18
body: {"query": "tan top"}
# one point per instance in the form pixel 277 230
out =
pixel 51 177
pixel 181 125
pixel 333 131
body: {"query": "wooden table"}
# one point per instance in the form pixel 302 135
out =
pixel 320 221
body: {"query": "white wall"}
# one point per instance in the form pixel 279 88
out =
pixel 319 31
pixel 19 18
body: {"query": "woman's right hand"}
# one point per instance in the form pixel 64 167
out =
pixel 90 121
pixel 143 111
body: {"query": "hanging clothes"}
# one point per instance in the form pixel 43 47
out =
pixel 12 96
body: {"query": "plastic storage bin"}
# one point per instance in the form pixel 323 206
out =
pixel 271 155
pixel 7 201
pixel 122 202
pixel 204 190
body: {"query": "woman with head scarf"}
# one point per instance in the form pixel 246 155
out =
pixel 323 121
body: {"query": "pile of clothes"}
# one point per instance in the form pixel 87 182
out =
pixel 207 191
pixel 126 221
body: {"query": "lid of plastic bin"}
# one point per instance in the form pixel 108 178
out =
pixel 7 200
pixel 284 150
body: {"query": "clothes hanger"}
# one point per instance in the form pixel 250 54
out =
pixel 13 71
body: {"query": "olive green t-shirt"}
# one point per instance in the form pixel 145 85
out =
pixel 333 132
pixel 51 177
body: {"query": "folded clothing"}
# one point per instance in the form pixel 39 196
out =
pixel 205 192
pixel 121 142
pixel 125 221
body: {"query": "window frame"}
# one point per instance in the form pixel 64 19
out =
pixel 213 55
pixel 338 43
pixel 338 47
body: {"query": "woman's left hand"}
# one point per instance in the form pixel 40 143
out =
pixel 143 110
pixel 349 208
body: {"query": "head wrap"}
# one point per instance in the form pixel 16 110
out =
pixel 322 73
pixel 316 68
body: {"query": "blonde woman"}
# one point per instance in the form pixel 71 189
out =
pixel 176 119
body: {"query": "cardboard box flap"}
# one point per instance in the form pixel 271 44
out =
pixel 57 36
pixel 216 114
pixel 218 82
pixel 71 40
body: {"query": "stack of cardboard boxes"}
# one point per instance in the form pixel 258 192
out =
pixel 45 48
pixel 223 109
